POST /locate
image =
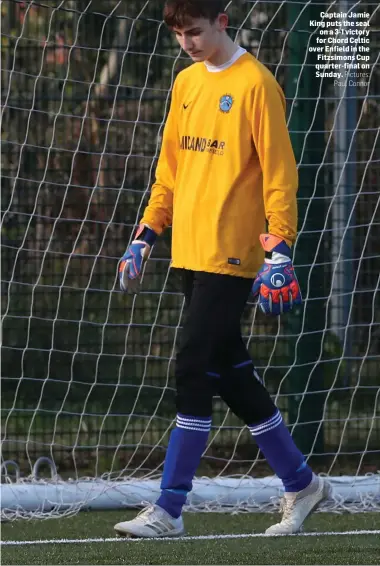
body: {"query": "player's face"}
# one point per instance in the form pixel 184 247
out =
pixel 201 39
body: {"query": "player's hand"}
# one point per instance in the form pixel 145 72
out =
pixel 132 263
pixel 276 282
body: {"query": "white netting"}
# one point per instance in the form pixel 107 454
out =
pixel 87 371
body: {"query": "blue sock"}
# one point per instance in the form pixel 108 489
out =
pixel 283 456
pixel 186 446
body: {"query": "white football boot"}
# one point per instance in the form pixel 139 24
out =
pixel 297 506
pixel 151 522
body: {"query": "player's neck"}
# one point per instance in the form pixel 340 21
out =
pixel 224 53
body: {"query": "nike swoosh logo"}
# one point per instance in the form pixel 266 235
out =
pixel 186 106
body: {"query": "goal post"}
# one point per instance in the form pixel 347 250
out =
pixel 87 372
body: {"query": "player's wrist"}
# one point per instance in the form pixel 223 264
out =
pixel 146 235
pixel 275 248
pixel 277 258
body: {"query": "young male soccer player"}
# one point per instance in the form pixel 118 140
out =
pixel 226 168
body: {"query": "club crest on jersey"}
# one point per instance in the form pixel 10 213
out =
pixel 225 103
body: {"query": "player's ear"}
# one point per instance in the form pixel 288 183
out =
pixel 222 22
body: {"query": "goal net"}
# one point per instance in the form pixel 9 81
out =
pixel 87 372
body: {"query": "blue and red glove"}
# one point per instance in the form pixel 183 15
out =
pixel 132 262
pixel 276 283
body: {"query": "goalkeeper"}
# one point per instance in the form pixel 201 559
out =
pixel 225 171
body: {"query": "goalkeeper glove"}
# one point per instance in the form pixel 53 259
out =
pixel 132 262
pixel 276 283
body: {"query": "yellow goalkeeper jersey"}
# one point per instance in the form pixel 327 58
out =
pixel 226 167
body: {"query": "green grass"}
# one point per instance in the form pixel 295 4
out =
pixel 348 549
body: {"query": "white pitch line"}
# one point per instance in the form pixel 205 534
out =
pixel 179 539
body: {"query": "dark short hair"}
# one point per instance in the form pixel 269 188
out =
pixel 179 13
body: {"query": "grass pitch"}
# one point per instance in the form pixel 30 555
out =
pixel 92 541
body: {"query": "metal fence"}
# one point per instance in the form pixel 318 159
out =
pixel 88 370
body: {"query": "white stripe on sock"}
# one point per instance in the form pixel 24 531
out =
pixel 186 420
pixel 267 429
pixel 264 427
pixel 207 429
pixel 267 422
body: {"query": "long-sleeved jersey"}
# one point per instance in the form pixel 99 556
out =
pixel 226 167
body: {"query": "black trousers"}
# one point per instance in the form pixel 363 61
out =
pixel 212 357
